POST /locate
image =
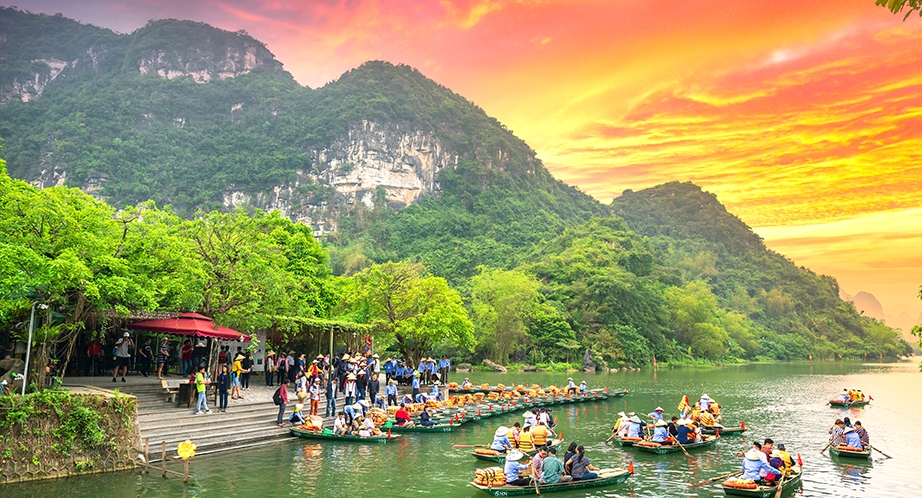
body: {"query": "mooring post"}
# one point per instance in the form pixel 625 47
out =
pixel 147 453
pixel 185 471
pixel 163 457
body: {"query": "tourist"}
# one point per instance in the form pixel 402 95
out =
pixel 246 365
pixel 538 461
pixel 236 370
pixel 391 392
pixel 185 355
pixel 785 457
pixel 222 356
pixel 838 428
pixel 660 433
pixel 300 383
pixel 281 367
pixel 424 419
pixel 707 419
pixel 281 399
pixel 544 417
pixel 852 439
pixel 402 416
pixel 620 425
pixel 297 416
pixel 94 357
pixel 514 470
pixel 635 427
pixel 526 443
pixel 704 402
pixel 844 397
pixel 444 367
pixel 571 451
pixel 223 388
pixel 684 434
pixel 571 386
pixel 583 387
pixel 466 384
pixel 146 353
pixel 862 434
pixel 374 386
pixel 163 352
pixel 776 462
pixel 552 469
pixel 314 393
pixel 331 392
pixel 270 368
pixel 501 440
pixel 848 422
pixel 368 427
pixel 514 434
pixel 122 356
pixel 200 388
pixel 756 467
pixel 656 415
pixel 292 369
pixel 580 467
pixel 531 418
pixel 671 427
pixel 539 435
pixel 339 425
pixel 349 391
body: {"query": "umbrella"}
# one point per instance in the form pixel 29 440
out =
pixel 192 324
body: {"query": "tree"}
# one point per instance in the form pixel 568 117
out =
pixel 502 303
pixel 406 305
pixel 897 6
pixel 917 330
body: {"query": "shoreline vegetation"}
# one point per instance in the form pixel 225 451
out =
pixel 705 364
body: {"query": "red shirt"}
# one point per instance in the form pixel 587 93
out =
pixel 186 352
pixel 402 416
pixel 93 350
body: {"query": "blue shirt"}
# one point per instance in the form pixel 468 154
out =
pixel 656 415
pixel 660 434
pixel 423 366
pixel 752 468
pixel 415 383
pixel 512 470
pixel 852 439
pixel 389 367
pixel 432 367
pixel 444 363
pixel 684 433
pixel 500 443
pixel 633 430
pixel 390 389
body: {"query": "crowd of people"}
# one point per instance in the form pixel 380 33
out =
pixel 851 396
pixel 545 467
pixel 844 434
pixel 683 429
pixel 766 463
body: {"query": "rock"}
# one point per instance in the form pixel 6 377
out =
pixel 495 366
pixel 463 368
pixel 540 370
pixel 588 365
pixel 529 368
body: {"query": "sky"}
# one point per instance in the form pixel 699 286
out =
pixel 804 118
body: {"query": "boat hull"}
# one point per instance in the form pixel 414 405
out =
pixel 350 439
pixel 790 483
pixel 844 404
pixel 861 455
pixel 501 458
pixel 725 431
pixel 607 477
pixel 662 450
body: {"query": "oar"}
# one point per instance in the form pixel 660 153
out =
pixel 780 484
pixel 881 452
pixel 680 446
pixel 469 446
pixel 702 483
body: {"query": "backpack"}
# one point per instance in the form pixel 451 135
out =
pixel 277 397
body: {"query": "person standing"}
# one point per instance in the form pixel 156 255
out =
pixel 314 392
pixel 122 356
pixel 270 368
pixel 223 388
pixel 374 386
pixel 236 370
pixel 163 352
pixel 391 392
pixel 247 366
pixel 415 385
pixel 146 353
pixel 444 368
pixel 361 383
pixel 281 367
pixel 94 354
pixel 185 355
pixel 280 398
pixel 200 383
pixel 332 389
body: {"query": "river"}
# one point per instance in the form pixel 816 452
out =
pixel 784 401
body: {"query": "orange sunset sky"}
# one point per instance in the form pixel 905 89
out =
pixel 804 118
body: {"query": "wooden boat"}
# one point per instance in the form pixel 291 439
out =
pixel 848 404
pixel 724 431
pixel 420 428
pixel 846 453
pixel 383 438
pixel 789 484
pixel 501 458
pixel 662 450
pixel 607 477
pixel 627 441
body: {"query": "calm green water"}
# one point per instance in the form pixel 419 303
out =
pixel 781 401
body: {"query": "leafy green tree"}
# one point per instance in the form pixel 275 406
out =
pixel 550 327
pixel 502 304
pixel 897 6
pixel 408 306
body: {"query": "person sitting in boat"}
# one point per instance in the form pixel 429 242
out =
pixel 657 414
pixel 514 433
pixel 755 468
pixel 852 439
pixel 838 428
pixel 402 415
pixel 340 428
pixel 704 402
pixel 466 384
pixel 860 395
pixel 500 440
pixel 635 427
pixel 844 397
pixel 539 435
pixel 526 443
pixel 580 467
pixel 583 388
pixel 671 427
pixel 570 453
pixel 786 457
pixel 531 418
pixel 571 386
pixel 862 434
pixel 552 470
pixel 619 424
pixel 707 419
pixel 684 434
pixel 424 419
pixel 775 461
pixel 514 470
pixel 368 427
pixel 297 417
pixel 436 394
pixel 660 433
pixel 768 447
pixel 544 417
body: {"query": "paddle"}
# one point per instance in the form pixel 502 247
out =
pixel 881 452
pixel 702 483
pixel 780 484
pixel 469 446
pixel 824 448
pixel 680 446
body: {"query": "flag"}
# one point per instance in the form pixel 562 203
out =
pixel 683 405
pixel 630 467
pixel 799 461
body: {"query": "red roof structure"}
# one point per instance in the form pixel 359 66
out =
pixel 192 324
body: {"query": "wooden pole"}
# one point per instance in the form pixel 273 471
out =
pixel 163 458
pixel 147 453
pixel 185 471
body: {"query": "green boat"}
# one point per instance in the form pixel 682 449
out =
pixel 626 442
pixel 501 458
pixel 662 450
pixel 843 453
pixel 848 404
pixel 789 484
pixel 325 434
pixel 607 477
pixel 420 428
pixel 724 431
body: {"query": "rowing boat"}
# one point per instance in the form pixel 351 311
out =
pixel 848 404
pixel 383 438
pixel 607 477
pixel 672 448
pixel 421 428
pixel 628 441
pixel 789 484
pixel 846 453
pixel 500 458
pixel 724 431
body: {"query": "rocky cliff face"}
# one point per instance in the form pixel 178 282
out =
pixel 402 164
pixel 203 64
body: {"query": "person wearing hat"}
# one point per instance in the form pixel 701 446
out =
pixel 391 392
pixel 122 356
pixel 313 371
pixel 270 368
pixel 501 441
pixel 314 391
pixel 684 434
pixel 375 364
pixel 415 384
pixel 351 412
pixel 236 370
pixel 657 414
pixel 515 471
pixel 433 370
pixel 852 439
pixel 349 391
pixel 620 425
pixel 844 397
pixel 704 402
pixel 754 465
pixel 467 384
pixel 785 457
pixel 571 386
pixel 635 427
pixel 361 382
pixel 660 433
pixel 435 394
pixel 583 387
pixel 297 416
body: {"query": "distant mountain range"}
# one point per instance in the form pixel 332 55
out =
pixel 901 316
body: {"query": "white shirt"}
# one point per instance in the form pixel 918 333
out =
pixel 530 419
pixel 339 423
pixel 544 418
